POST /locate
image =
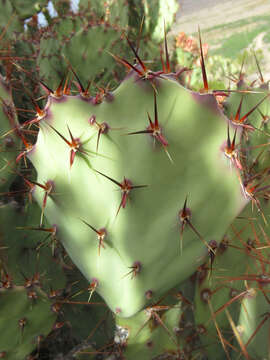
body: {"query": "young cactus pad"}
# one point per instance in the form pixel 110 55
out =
pixel 137 185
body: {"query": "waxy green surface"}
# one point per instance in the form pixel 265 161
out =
pixel 147 230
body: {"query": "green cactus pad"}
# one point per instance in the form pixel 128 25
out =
pixel 146 228
pixel 28 250
pixel 9 140
pixel 232 289
pixel 23 320
pixel 150 333
pixel 79 50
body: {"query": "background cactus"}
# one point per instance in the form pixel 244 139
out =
pixel 30 320
pixel 157 193
pixel 9 141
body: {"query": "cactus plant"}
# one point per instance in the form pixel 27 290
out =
pixel 169 234
pixel 108 161
pixel 9 141
pixel 31 318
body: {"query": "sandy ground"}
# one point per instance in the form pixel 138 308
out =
pixel 209 13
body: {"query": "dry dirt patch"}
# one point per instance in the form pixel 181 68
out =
pixel 210 13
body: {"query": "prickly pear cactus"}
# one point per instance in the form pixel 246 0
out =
pixel 9 140
pixel 30 320
pixel 158 193
pixel 28 250
pixel 231 302
pixel 138 143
